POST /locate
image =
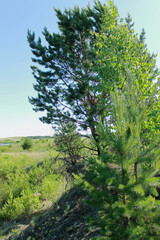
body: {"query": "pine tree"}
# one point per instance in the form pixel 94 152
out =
pixel 77 68
pixel 122 182
pixel 26 143
pixel 64 72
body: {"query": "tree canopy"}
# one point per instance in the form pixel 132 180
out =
pixel 78 67
pixel 64 79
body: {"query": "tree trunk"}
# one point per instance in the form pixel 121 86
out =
pixel 95 136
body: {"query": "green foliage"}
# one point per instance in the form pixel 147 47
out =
pixel 121 51
pixel 26 143
pixel 118 49
pixel 48 188
pixel 80 66
pixel 122 183
pixel 24 185
pixel 63 84
pixel 26 203
pixel 70 146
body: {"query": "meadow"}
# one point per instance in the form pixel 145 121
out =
pixel 29 180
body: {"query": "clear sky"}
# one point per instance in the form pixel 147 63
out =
pixel 16 115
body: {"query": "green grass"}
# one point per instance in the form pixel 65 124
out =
pixel 30 183
pixel 27 178
pixel 39 145
pixel 10 140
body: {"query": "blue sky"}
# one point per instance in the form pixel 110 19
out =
pixel 16 115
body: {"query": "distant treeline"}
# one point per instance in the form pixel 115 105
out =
pixel 40 137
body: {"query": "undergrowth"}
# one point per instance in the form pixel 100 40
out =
pixel 24 185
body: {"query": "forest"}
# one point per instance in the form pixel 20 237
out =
pixel 98 177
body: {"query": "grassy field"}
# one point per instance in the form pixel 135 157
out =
pixel 29 181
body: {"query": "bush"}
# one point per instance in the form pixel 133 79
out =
pixel 27 143
pixel 69 144
pixel 26 203
pixel 49 187
pixel 23 187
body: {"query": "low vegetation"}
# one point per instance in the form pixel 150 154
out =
pixel 33 180
pixel 29 180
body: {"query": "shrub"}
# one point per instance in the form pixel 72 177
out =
pixel 69 144
pixel 27 143
pixel 24 185
pixel 26 203
pixel 49 187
